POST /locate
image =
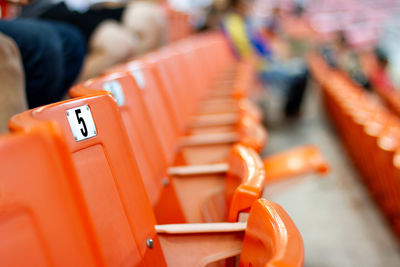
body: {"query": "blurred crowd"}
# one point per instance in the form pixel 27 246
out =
pixel 47 45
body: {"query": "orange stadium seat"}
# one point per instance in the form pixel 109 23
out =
pixel 275 232
pixel 221 191
pixel 40 223
pixel 270 239
pixel 106 172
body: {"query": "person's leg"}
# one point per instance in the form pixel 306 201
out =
pixel 73 53
pixel 12 88
pixel 298 84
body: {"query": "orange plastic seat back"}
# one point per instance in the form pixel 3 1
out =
pixel 174 81
pixel 196 64
pixel 148 152
pixel 146 89
pixel 161 117
pixel 194 84
pixel 190 63
pixel 181 73
pixel 245 180
pixel 271 238
pixel 171 86
pixel 41 224
pixel 108 175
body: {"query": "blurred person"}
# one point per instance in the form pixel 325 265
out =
pixel 52 55
pixel 12 87
pixel 340 55
pixel 113 34
pixel 287 76
pixel 237 29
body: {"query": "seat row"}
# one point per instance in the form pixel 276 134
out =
pixel 153 163
pixel 370 133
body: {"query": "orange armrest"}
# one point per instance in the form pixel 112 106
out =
pixel 209 139
pixel 251 171
pixel 196 228
pixel 198 169
pixel 215 119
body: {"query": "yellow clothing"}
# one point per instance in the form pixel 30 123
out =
pixel 236 29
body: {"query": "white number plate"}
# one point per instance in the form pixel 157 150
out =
pixel 138 75
pixel 81 122
pixel 115 88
